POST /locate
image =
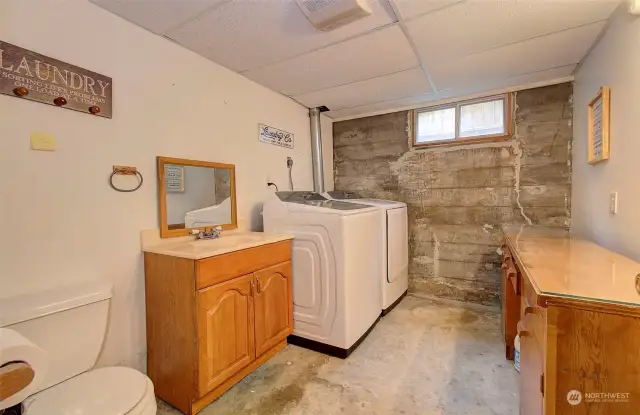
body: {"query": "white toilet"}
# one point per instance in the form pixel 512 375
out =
pixel 70 323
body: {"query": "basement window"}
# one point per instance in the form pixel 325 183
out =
pixel 484 119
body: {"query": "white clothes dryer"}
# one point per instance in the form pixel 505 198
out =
pixel 393 248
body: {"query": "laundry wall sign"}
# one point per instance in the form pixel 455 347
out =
pixel 29 75
pixel 274 136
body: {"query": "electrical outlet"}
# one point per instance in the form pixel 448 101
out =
pixel 613 203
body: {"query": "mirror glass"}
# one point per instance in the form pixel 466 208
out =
pixel 195 196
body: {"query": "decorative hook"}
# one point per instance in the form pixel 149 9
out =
pixel 21 91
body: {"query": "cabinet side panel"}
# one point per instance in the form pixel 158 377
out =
pixel 171 335
pixel 598 357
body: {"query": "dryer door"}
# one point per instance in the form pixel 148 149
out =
pixel 397 244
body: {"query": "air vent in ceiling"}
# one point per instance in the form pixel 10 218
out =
pixel 327 15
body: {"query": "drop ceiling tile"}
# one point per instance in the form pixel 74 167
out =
pixel 382 88
pixel 387 106
pixel 378 53
pixel 517 83
pixel 488 86
pixel 157 15
pixel 411 8
pixel 475 26
pixel 247 34
pixel 559 49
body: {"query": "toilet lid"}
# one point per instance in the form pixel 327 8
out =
pixel 106 391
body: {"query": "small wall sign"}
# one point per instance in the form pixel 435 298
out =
pixel 598 120
pixel 274 136
pixel 29 75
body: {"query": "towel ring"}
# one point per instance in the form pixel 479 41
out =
pixel 140 181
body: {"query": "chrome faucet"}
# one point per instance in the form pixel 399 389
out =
pixel 207 233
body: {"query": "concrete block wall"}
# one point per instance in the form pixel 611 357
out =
pixel 459 196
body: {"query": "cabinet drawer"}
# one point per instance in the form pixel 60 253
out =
pixel 222 268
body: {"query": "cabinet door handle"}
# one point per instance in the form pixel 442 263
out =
pixel 253 287
pixel 258 285
pixel 522 330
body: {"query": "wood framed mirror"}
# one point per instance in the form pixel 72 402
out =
pixel 195 194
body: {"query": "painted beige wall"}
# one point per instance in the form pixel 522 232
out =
pixel 59 219
pixel 614 62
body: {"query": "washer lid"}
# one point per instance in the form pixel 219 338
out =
pixel 106 391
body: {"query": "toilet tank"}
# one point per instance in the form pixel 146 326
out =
pixel 68 322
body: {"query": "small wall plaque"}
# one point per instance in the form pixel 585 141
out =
pixel 30 75
pixel 274 136
pixel 598 119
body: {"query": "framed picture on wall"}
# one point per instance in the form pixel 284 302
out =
pixel 174 178
pixel 598 120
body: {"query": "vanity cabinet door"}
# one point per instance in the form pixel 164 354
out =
pixel 273 306
pixel 226 342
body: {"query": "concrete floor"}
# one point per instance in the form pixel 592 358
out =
pixel 425 357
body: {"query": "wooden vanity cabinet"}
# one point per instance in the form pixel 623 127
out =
pixel 212 321
pixel 568 344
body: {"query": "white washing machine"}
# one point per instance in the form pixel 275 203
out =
pixel 393 248
pixel 336 294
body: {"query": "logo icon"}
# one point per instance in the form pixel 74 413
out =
pixel 574 397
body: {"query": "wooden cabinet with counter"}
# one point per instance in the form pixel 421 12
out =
pixel 214 315
pixel 578 321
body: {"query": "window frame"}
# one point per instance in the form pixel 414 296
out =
pixel 508 124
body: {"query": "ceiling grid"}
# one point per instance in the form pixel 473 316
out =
pixel 406 53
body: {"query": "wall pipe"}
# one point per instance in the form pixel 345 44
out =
pixel 316 150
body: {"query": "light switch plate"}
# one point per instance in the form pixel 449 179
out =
pixel 613 203
pixel 43 141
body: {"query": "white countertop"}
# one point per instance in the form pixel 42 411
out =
pixel 199 249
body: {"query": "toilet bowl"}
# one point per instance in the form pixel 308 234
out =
pixel 105 391
pixel 69 323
